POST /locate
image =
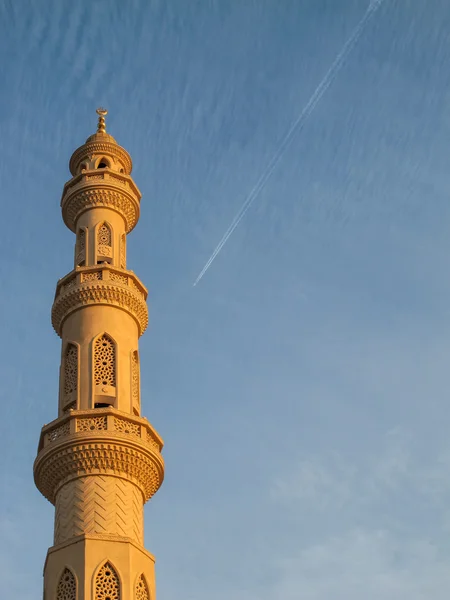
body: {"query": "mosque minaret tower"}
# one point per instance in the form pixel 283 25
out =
pixel 99 461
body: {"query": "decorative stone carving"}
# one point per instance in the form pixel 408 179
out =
pixel 96 147
pixel 70 373
pixel 100 292
pixel 108 455
pixel 123 251
pixel 92 424
pixel 142 592
pixel 99 504
pixel 67 586
pixel 127 426
pixel 135 379
pixel 104 361
pixel 83 197
pixel 107 584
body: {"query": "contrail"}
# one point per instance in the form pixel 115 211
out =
pixel 296 126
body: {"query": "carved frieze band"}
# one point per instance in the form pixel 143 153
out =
pixel 99 504
pixel 99 292
pixel 57 464
pixel 79 199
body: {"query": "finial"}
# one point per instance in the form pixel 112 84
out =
pixel 102 112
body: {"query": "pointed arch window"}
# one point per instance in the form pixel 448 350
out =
pixel 142 592
pixel 107 583
pixel 105 361
pixel 70 374
pixel 135 384
pixel 67 586
pixel 123 251
pixel 80 253
pixel 103 163
pixel 104 243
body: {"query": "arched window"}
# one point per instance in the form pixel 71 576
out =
pixel 67 586
pixel 103 164
pixel 123 251
pixel 107 584
pixel 81 248
pixel 70 383
pixel 104 243
pixel 135 381
pixel 105 361
pixel 142 592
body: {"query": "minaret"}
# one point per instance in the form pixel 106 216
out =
pixel 99 461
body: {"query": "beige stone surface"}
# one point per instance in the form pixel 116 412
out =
pixel 99 461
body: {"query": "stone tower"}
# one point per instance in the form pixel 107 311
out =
pixel 99 461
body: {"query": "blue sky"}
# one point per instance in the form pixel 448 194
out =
pixel 302 387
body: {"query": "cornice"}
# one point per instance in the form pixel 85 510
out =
pixel 74 293
pixel 101 189
pixel 101 441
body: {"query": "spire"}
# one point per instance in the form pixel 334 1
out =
pixel 101 127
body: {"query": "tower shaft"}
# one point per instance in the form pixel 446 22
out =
pixel 99 461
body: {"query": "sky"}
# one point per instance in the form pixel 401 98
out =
pixel 301 388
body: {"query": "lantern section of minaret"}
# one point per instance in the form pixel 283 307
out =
pixel 99 461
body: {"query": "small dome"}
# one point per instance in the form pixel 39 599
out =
pixel 100 136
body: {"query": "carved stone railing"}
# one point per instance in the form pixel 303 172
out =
pixel 99 441
pixel 96 188
pixel 100 285
pixel 100 420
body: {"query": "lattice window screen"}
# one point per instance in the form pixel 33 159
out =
pixel 104 361
pixel 70 371
pixel 67 586
pixel 123 251
pixel 142 589
pixel 107 584
pixel 81 246
pixel 135 378
pixel 104 240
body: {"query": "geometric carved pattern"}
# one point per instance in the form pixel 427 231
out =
pixel 94 276
pixel 70 371
pixel 99 292
pixel 135 378
pixel 142 589
pixel 70 283
pixel 135 461
pixel 81 246
pixel 123 279
pixel 124 426
pixel 104 361
pixel 122 200
pixel 67 586
pixel 61 431
pixel 93 424
pixel 99 504
pixel 123 260
pixel 107 584
pixel 104 240
pixel 81 240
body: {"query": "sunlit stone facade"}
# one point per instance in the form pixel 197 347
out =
pixel 99 461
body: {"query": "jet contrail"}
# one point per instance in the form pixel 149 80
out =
pixel 296 126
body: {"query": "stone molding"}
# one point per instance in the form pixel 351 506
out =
pixel 103 188
pixel 75 291
pixel 98 453
pixel 99 147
